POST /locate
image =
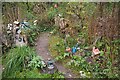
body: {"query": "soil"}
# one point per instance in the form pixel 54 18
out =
pixel 42 50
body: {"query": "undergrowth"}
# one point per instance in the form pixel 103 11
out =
pixel 16 60
pixel 102 68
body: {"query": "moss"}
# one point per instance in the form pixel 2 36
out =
pixel 56 46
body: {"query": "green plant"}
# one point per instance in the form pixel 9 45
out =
pixel 78 61
pixel 58 58
pixel 57 75
pixel 51 13
pixel 66 55
pixel 17 59
pixel 36 74
pixel 62 56
pixel 32 34
pixel 31 74
pixel 36 62
pixel 70 41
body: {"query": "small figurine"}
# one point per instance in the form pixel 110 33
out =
pixel 74 50
pixel 68 49
pixel 50 64
pixel 55 6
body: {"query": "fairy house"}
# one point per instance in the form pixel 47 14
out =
pixel 19 36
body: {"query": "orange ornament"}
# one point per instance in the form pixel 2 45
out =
pixel 68 49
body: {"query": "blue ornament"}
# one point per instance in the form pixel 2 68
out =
pixel 74 50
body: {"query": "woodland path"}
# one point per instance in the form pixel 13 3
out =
pixel 42 50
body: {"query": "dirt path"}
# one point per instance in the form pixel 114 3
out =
pixel 42 50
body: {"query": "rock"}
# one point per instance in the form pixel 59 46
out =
pixel 70 75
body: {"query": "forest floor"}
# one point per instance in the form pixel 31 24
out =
pixel 1 69
pixel 42 50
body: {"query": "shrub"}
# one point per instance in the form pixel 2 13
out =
pixel 32 34
pixel 36 62
pixel 17 59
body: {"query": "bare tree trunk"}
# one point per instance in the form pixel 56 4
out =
pixel 18 14
pixel 0 31
pixel 118 23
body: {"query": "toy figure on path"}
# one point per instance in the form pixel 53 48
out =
pixel 51 66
